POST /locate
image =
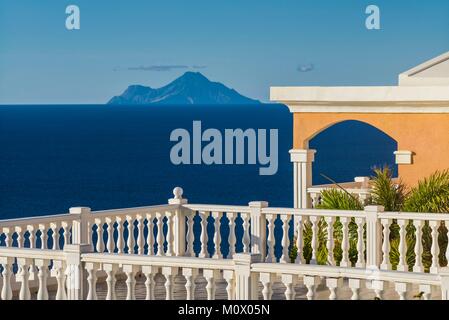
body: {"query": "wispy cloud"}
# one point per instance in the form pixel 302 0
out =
pixel 198 67
pixel 305 67
pixel 159 68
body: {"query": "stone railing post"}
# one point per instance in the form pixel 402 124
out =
pixel 179 222
pixel 373 236
pixel 258 228
pixel 80 226
pixel 246 282
pixel 75 281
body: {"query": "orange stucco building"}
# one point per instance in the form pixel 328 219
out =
pixel 415 114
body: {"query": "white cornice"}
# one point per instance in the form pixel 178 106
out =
pixel 429 99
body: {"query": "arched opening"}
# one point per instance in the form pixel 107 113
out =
pixel 350 149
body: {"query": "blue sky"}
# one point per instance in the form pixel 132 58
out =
pixel 249 45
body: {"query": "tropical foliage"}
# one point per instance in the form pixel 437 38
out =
pixel 431 195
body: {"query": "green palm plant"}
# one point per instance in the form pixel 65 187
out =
pixel 431 195
pixel 385 192
pixel 337 200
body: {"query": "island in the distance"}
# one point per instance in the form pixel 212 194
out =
pixel 190 88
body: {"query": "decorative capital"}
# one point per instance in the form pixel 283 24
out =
pixel 403 157
pixel 302 155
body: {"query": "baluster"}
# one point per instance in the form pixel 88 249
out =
pixel 217 236
pixel 330 240
pixel 8 240
pixel 204 253
pixel 149 273
pixel 271 240
pixel 314 242
pixel 360 252
pixel 386 265
pixel 168 273
pixel 355 286
pixel 119 235
pixel 111 270
pixel 426 289
pixel 160 235
pixel 315 199
pixel 130 272
pixel 402 266
pixel 285 239
pixel 210 276
pixel 31 237
pixel 150 234
pixel 267 280
pixel 130 240
pixel 434 249
pixel 345 242
pixel 311 282
pixel 65 228
pixel 446 223
pixel 289 282
pixel 190 236
pixel 140 244
pixel 228 275
pixel 42 264
pixel 402 288
pixel 7 274
pixel 232 239
pixel 23 277
pixel 100 238
pixel 333 284
pixel 169 234
pixel 44 236
pixel 246 237
pixel 110 233
pixel 55 236
pixel 299 239
pixel 378 287
pixel 190 276
pixel 58 272
pixel 20 237
pixel 418 267
pixel 92 280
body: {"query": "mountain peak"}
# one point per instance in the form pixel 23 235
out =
pixel 189 88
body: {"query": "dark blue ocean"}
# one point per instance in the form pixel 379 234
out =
pixel 104 157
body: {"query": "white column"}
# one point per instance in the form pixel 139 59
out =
pixel 302 176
